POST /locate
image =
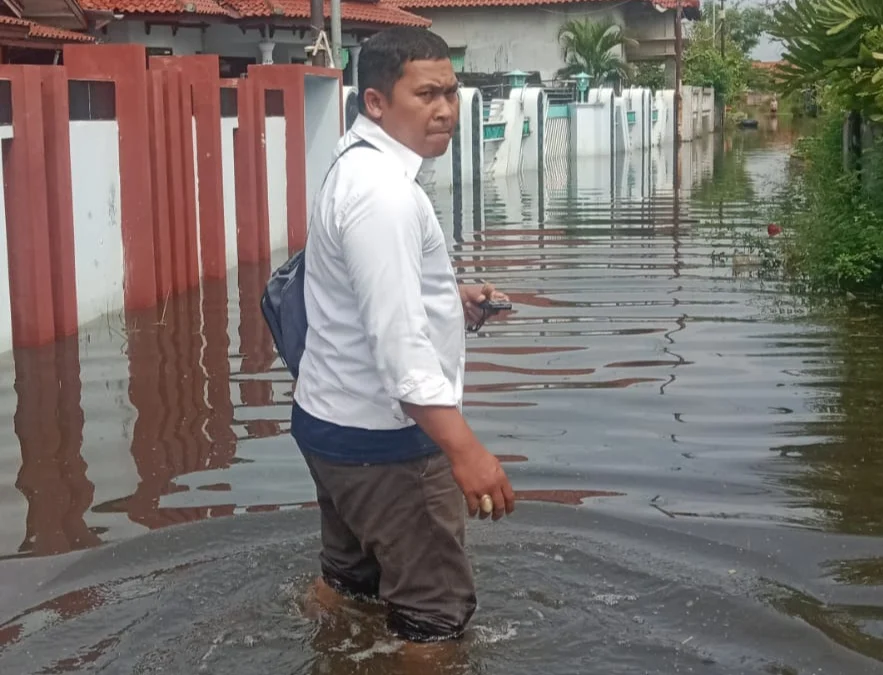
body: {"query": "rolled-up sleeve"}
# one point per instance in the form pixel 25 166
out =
pixel 381 235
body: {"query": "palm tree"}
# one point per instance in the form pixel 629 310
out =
pixel 588 47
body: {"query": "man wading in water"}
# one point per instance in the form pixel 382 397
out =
pixel 385 349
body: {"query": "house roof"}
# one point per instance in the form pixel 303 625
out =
pixel 433 4
pixel 38 32
pixel 379 12
pixel 14 6
pixel 66 14
pixel 202 7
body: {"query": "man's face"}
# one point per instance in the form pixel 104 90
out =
pixel 423 109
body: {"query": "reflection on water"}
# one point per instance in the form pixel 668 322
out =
pixel 697 457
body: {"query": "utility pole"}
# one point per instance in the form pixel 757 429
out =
pixel 679 57
pixel 723 19
pixel 676 155
pixel 336 37
pixel 317 25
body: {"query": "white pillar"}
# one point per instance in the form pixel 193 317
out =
pixel 266 47
pixel 354 59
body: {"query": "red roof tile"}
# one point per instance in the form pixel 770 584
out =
pixel 380 12
pixel 38 31
pixel 12 21
pixel 432 4
pixel 204 7
pixel 42 32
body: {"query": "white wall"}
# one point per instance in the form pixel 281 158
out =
pixel 591 130
pixel 639 101
pixel 321 128
pixel 98 239
pixel 277 181
pixel 228 172
pixel 531 156
pixel 506 160
pixel 5 308
pixel 473 167
pixel 509 38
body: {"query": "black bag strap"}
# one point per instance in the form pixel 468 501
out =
pixel 361 143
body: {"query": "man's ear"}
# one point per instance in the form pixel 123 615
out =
pixel 374 101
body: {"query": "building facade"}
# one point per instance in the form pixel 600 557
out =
pixel 240 32
pixel 495 36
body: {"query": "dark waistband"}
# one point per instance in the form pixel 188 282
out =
pixel 354 445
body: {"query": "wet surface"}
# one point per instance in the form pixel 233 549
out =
pixel 697 457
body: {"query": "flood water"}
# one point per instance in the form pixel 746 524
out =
pixel 697 455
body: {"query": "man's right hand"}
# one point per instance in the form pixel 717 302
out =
pixel 479 473
pixel 476 470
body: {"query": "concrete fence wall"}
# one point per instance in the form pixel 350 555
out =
pixel 5 306
pixel 128 180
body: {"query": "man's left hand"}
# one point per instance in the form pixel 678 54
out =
pixel 473 296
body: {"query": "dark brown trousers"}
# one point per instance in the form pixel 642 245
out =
pixel 396 532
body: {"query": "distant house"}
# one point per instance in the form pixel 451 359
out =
pixel 493 36
pixel 34 31
pixel 241 32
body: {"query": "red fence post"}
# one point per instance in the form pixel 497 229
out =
pixel 59 199
pixel 27 212
pixel 126 66
pixel 201 76
pixel 162 234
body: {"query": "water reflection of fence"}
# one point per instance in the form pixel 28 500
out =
pixel 175 407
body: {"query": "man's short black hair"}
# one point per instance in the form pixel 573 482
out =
pixel 383 57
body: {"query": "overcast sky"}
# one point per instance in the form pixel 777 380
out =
pixel 767 50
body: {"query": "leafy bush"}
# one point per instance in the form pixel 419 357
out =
pixel 649 75
pixel 836 241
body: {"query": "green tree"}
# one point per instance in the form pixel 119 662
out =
pixel 704 66
pixel 729 73
pixel 744 25
pixel 588 46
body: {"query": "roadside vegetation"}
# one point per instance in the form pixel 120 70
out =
pixel 833 207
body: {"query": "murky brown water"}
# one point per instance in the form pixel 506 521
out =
pixel 697 457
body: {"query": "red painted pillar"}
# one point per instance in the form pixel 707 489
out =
pixel 125 65
pixel 162 234
pixel 59 199
pixel 200 73
pixel 27 212
pixel 185 273
pixel 290 80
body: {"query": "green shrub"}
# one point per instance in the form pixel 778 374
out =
pixel 834 222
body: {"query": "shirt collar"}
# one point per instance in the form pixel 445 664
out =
pixel 365 129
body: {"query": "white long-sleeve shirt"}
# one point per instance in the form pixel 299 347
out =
pixel 385 317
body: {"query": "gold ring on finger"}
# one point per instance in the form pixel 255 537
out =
pixel 487 504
